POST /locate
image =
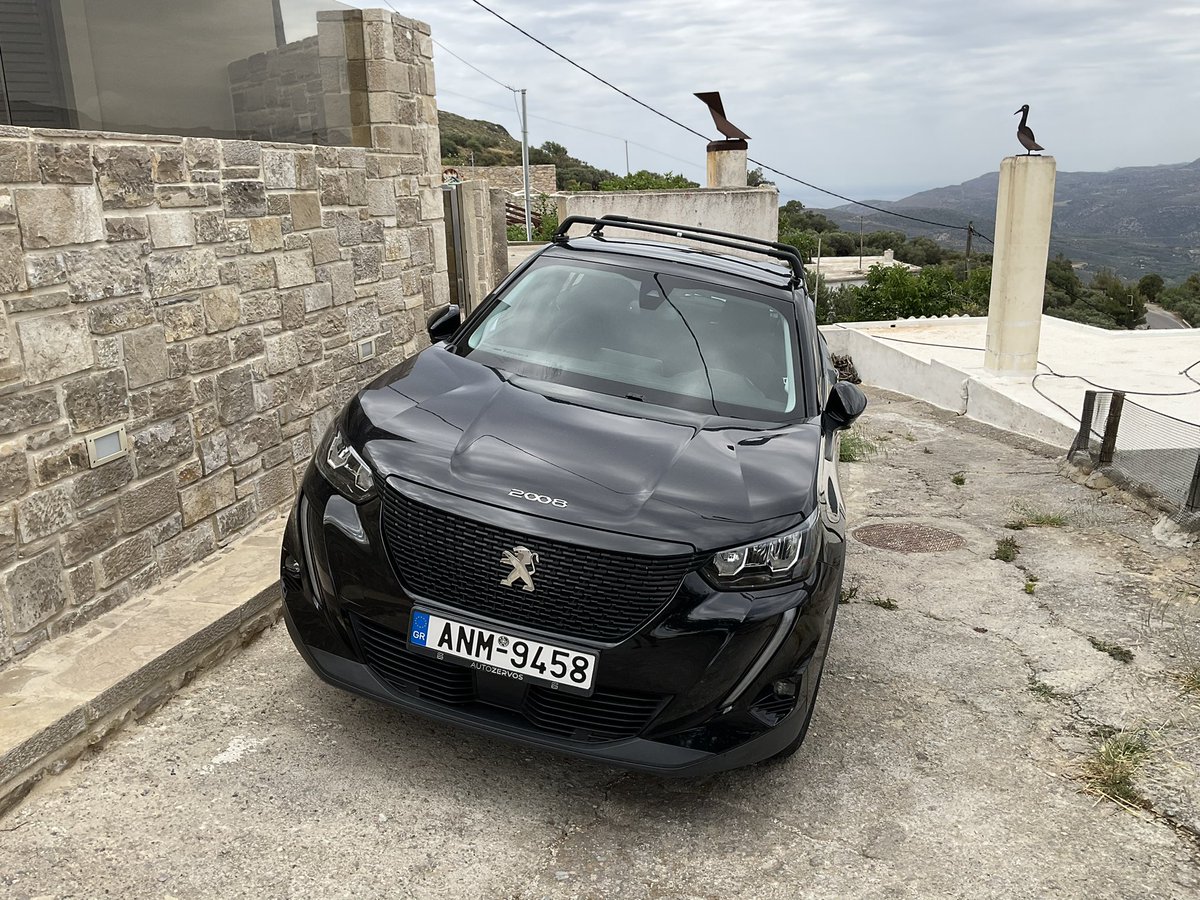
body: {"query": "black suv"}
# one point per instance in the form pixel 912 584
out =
pixel 600 516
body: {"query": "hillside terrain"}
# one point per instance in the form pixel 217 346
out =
pixel 1133 220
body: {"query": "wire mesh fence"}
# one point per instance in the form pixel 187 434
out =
pixel 1149 452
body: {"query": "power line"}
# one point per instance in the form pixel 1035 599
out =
pixel 472 66
pixel 693 131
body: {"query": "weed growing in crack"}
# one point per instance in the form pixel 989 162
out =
pixel 1006 550
pixel 884 602
pixel 1189 679
pixel 926 450
pixel 1116 651
pixel 1028 517
pixel 856 447
pixel 1110 769
pixel 1043 691
pixel 958 478
pixel 1030 583
pixel 848 592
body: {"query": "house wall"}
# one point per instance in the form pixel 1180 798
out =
pixel 208 296
pixel 753 212
pixel 542 179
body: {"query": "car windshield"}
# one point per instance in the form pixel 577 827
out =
pixel 662 339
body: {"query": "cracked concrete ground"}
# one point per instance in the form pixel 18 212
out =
pixel 944 757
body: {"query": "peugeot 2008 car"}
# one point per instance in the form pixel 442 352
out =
pixel 601 515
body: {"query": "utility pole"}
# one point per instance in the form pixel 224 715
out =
pixel 627 158
pixel 970 234
pixel 525 165
pixel 860 242
pixel 817 288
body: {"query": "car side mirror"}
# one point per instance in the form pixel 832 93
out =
pixel 846 403
pixel 443 323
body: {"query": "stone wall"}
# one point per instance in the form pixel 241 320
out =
pixel 278 95
pixel 512 178
pixel 209 296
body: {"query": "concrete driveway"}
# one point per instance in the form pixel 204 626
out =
pixel 958 717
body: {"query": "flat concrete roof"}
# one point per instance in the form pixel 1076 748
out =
pixel 835 269
pixel 1123 360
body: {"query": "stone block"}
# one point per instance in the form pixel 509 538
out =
pixel 202 499
pixel 55 345
pixel 318 296
pixel 12 263
pixel 265 234
pixel 102 272
pixel 260 307
pixel 188 548
pixel 248 439
pixel 214 452
pixel 279 169
pixel 176 273
pixel 146 356
pixel 125 176
pixel 28 409
pixel 66 163
pixel 241 153
pixel 172 229
pixel 208 354
pixel 163 445
pixel 335 189
pixel 43 513
pixel 168 165
pixel 148 503
pixel 96 399
pixel 17 162
pixel 222 309
pixel 90 536
pixel 349 228
pixel 124 559
pixel 244 199
pixel 160 401
pixel 235 394
pixel 362 320
pixel 14 473
pixel 247 343
pixel 277 486
pixel 368 263
pixel 202 153
pixel 325 248
pixel 57 215
pixel 126 228
pixel 294 269
pixel 210 227
pixel 8 210
pixel 282 353
pixel 182 321
pixel 235 518
pixel 306 211
pixel 184 196
pixel 120 315
pixel 55 465
pixel 256 274
pixel 45 269
pixel 35 590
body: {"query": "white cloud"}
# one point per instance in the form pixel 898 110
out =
pixel 870 99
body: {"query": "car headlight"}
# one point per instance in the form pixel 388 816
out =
pixel 344 468
pixel 778 560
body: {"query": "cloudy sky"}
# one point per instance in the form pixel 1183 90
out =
pixel 871 99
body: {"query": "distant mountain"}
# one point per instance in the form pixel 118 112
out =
pixel 1134 220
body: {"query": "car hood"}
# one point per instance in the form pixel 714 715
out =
pixel 457 426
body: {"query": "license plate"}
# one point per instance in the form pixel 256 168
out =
pixel 561 668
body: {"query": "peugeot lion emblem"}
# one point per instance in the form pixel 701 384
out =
pixel 523 562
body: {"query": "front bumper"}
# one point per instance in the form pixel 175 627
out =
pixel 689 693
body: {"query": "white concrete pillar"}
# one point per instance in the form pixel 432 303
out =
pixel 1024 208
pixel 727 164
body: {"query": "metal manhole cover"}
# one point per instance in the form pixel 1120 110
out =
pixel 908 537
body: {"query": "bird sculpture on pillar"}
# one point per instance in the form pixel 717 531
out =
pixel 1025 133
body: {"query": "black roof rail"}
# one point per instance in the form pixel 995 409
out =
pixel 785 252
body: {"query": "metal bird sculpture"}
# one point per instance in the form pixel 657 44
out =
pixel 1025 133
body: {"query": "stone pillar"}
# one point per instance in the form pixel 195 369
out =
pixel 727 164
pixel 1024 208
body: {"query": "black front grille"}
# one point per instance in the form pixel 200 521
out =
pixel 580 591
pixel 411 673
pixel 604 716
